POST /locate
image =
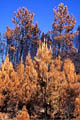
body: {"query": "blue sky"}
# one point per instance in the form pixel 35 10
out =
pixel 43 10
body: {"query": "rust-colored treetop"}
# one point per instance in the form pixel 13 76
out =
pixel 24 29
pixel 63 26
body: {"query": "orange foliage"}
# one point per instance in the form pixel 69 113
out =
pixel 49 88
pixel 62 30
pixel 52 83
pixel 23 115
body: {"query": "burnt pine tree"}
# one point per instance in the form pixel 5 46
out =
pixel 62 33
pixel 23 34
